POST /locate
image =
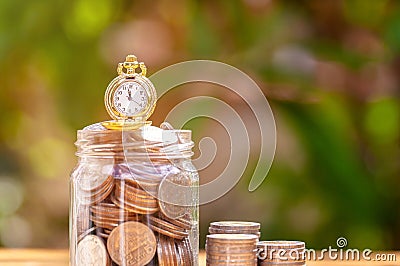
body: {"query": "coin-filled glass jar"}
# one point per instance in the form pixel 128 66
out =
pixel 134 198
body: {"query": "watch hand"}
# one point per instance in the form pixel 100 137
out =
pixel 135 102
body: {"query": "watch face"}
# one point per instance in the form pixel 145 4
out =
pixel 130 98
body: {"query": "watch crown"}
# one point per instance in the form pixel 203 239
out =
pixel 131 64
pixel 131 58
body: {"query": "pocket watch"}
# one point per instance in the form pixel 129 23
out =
pixel 130 98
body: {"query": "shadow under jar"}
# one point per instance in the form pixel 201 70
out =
pixel 134 198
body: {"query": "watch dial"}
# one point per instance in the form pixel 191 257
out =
pixel 130 98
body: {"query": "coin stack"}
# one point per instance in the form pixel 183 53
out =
pixel 235 227
pixel 231 249
pixel 281 253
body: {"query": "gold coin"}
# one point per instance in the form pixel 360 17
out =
pixel 116 217
pixel 168 233
pixel 135 187
pixel 110 210
pixel 180 222
pixel 166 225
pixel 132 207
pixel 104 223
pixel 136 197
pixel 132 244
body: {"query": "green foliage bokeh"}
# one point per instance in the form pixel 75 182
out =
pixel 330 70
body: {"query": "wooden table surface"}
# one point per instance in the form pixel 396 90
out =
pixel 35 257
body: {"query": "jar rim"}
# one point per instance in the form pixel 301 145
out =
pixel 147 141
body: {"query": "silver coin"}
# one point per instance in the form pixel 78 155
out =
pixel 175 195
pixel 235 225
pixel 92 251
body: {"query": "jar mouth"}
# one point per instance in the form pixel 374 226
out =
pixel 148 141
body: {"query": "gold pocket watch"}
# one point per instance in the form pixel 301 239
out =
pixel 130 98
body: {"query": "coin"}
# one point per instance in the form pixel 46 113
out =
pixel 102 234
pixel 113 219
pixel 91 182
pixel 166 228
pixel 175 195
pixel 179 254
pixel 172 251
pixel 235 227
pixel 134 188
pixel 185 224
pixel 87 232
pixel 132 243
pixel 232 238
pixel 160 252
pixel 231 249
pixel 108 215
pixel 92 251
pixel 167 255
pixel 82 218
pixel 110 211
pixel 168 233
pixel 165 224
pixel 188 251
pixel 104 223
pixel 101 193
pixel 136 196
pixel 129 206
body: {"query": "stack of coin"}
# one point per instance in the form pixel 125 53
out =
pixel 108 216
pixel 231 249
pixel 94 190
pixel 235 227
pixel 131 197
pixel 145 175
pixel 172 252
pixel 281 253
pixel 167 228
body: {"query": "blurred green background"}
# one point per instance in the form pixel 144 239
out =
pixel 329 68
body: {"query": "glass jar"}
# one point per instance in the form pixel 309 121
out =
pixel 134 198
